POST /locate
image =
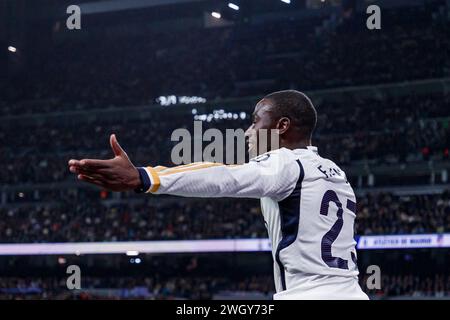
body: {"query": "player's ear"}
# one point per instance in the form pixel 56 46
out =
pixel 283 125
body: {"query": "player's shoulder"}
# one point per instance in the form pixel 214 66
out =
pixel 319 166
pixel 281 154
pixel 331 164
pixel 311 160
pixel 281 161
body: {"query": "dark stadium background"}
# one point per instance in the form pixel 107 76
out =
pixel 384 109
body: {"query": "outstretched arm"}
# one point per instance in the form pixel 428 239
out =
pixel 267 176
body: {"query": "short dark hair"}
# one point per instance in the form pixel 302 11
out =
pixel 296 106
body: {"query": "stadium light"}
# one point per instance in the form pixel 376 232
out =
pixel 62 260
pixel 286 1
pixel 216 15
pixel 12 49
pixel 233 6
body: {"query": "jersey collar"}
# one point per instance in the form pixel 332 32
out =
pixel 313 149
pixel 310 148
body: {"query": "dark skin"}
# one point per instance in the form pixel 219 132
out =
pixel 116 174
pixel 264 117
pixel 119 173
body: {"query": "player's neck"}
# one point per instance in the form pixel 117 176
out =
pixel 296 145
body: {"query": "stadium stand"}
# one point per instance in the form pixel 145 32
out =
pixel 383 102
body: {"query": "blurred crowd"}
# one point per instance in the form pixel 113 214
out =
pixel 108 71
pixel 104 70
pixel 387 130
pixel 385 213
pixel 88 217
pixel 175 287
pixel 150 220
pixel 205 288
pixel 410 285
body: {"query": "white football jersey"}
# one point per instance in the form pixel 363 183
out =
pixel 308 207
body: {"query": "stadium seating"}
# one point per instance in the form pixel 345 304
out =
pixel 73 93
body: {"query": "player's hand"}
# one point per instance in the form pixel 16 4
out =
pixel 116 174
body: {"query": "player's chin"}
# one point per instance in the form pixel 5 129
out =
pixel 252 151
